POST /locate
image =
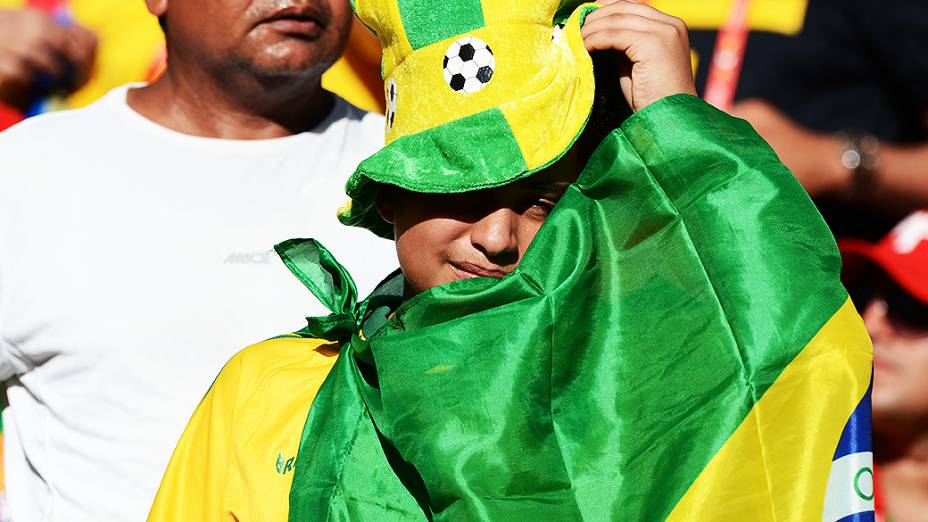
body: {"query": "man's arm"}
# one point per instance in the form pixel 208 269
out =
pixel 901 178
pixel 12 362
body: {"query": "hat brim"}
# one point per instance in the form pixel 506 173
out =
pixel 523 130
pixel 859 255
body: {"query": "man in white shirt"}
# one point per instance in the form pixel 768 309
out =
pixel 135 240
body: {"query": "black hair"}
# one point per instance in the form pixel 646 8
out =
pixel 610 109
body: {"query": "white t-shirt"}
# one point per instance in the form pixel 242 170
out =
pixel 134 261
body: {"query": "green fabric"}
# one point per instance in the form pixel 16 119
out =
pixel 473 151
pixel 429 22
pixel 490 148
pixel 315 266
pixel 566 8
pixel 383 301
pixel 668 289
pixel 318 270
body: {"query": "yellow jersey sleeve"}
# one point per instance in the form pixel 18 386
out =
pixel 236 458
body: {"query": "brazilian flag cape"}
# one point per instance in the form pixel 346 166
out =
pixel 675 344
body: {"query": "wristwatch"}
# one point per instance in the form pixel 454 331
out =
pixel 860 155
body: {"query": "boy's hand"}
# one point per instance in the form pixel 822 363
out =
pixel 656 44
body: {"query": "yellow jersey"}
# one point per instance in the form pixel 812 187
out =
pixel 236 458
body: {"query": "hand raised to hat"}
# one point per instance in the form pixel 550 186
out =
pixel 656 44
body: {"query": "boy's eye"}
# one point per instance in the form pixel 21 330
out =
pixel 540 208
pixel 547 203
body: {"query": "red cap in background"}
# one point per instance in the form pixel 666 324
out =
pixel 902 254
pixel 9 117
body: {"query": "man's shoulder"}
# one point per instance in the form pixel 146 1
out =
pixel 371 124
pixel 45 150
pixel 373 119
pixel 46 126
pixel 32 152
pixel 58 128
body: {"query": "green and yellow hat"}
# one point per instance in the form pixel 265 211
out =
pixel 479 93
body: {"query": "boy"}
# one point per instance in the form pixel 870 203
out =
pixel 556 346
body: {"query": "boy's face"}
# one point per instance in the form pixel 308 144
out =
pixel 442 238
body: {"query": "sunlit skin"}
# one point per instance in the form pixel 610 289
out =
pixel 900 398
pixel 442 238
pixel 245 69
pixel 267 37
pixel 900 366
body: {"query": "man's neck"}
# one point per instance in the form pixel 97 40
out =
pixel 235 108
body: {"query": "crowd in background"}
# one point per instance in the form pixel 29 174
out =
pixel 839 88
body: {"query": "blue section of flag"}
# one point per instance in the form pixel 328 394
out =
pixel 857 436
pixel 866 516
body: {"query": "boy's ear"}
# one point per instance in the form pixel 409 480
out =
pixel 157 7
pixel 386 199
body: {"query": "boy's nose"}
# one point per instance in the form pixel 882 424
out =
pixel 496 236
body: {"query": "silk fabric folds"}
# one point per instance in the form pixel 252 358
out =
pixel 671 288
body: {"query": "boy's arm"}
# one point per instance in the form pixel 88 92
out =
pixel 193 487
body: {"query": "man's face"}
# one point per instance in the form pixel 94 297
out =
pixel 442 238
pixel 268 38
pixel 898 325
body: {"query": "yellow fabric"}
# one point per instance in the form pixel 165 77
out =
pixel 421 78
pixel 527 70
pixel 232 461
pixel 383 17
pixel 354 81
pixel 131 44
pixel 573 85
pixel 777 16
pixel 2 466
pixel 356 76
pixel 353 84
pixel 507 11
pixel 541 84
pixel 793 476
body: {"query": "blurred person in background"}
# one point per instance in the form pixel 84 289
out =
pixel 135 254
pixel 889 284
pixel 838 87
pixel 65 54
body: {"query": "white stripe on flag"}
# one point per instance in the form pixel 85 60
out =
pixel 850 487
